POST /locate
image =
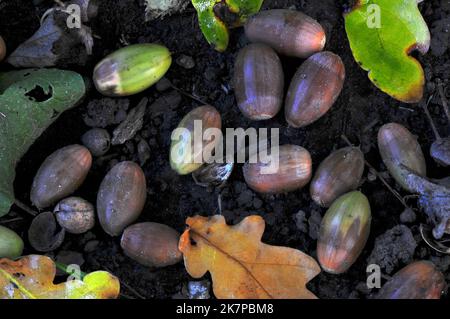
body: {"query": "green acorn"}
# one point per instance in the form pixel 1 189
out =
pixel 11 245
pixel 343 232
pixel 131 69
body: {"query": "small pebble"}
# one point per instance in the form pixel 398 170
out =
pixel 408 216
pixel 97 140
pixel 91 246
pixel 198 289
pixel 163 85
pixel 143 152
pixel 300 221
pixel 185 61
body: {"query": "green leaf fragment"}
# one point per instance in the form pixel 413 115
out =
pixel 30 100
pixel 382 34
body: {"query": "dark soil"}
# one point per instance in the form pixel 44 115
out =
pixel 292 219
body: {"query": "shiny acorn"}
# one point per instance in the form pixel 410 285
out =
pixel 151 244
pixel 398 147
pixel 2 49
pixel 188 148
pixel 314 88
pixel 288 32
pixel 75 215
pixel 419 280
pixel 343 232
pixel 121 197
pixel 338 174
pixel 274 174
pixel 131 69
pixel 11 245
pixel 258 82
pixel 60 175
pixel 97 140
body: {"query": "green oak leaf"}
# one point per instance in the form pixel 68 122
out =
pixel 30 100
pixel 213 28
pixel 382 35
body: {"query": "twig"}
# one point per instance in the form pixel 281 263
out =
pixel 443 99
pixel 11 220
pixel 395 193
pixel 131 289
pixel 187 94
pixel 427 113
pixel 25 207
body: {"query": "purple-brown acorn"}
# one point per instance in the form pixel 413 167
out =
pixel 287 171
pixel 338 174
pixel 60 175
pixel 314 88
pixel 419 280
pixel 288 32
pixel 121 197
pixel 258 82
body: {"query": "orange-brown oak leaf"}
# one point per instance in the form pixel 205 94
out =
pixel 241 266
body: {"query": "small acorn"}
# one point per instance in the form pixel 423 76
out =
pixel 419 280
pixel 399 147
pixel 314 88
pixel 287 171
pixel 131 69
pixel 75 215
pixel 121 197
pixel 11 245
pixel 343 232
pixel 338 174
pixel 2 49
pixel 97 140
pixel 151 244
pixel 187 151
pixel 288 32
pixel 60 175
pixel 258 82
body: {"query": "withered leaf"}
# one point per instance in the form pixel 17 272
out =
pixel 31 277
pixel 241 266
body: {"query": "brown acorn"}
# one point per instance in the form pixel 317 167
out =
pixel 343 232
pixel 398 147
pixel 60 175
pixel 75 215
pixel 258 82
pixel 151 244
pixel 314 88
pixel 338 174
pixel 187 150
pixel 2 49
pixel 287 171
pixel 288 32
pixel 121 197
pixel 419 280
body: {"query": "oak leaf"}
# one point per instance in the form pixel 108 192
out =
pixel 31 277
pixel 241 266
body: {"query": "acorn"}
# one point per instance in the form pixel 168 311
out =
pixel 188 149
pixel 287 171
pixel 151 244
pixel 258 82
pixel 398 147
pixel 289 32
pixel 343 232
pixel 75 215
pixel 131 69
pixel 314 88
pixel 121 197
pixel 11 245
pixel 97 140
pixel 419 280
pixel 2 49
pixel 338 174
pixel 60 175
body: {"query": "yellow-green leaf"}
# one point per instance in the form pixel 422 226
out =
pixel 382 35
pixel 31 277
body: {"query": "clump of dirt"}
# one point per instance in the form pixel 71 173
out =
pixel 358 113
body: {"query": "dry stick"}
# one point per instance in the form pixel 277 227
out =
pixel 25 207
pixel 396 194
pixel 6 221
pixel 131 289
pixel 443 99
pixel 187 94
pixel 427 113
